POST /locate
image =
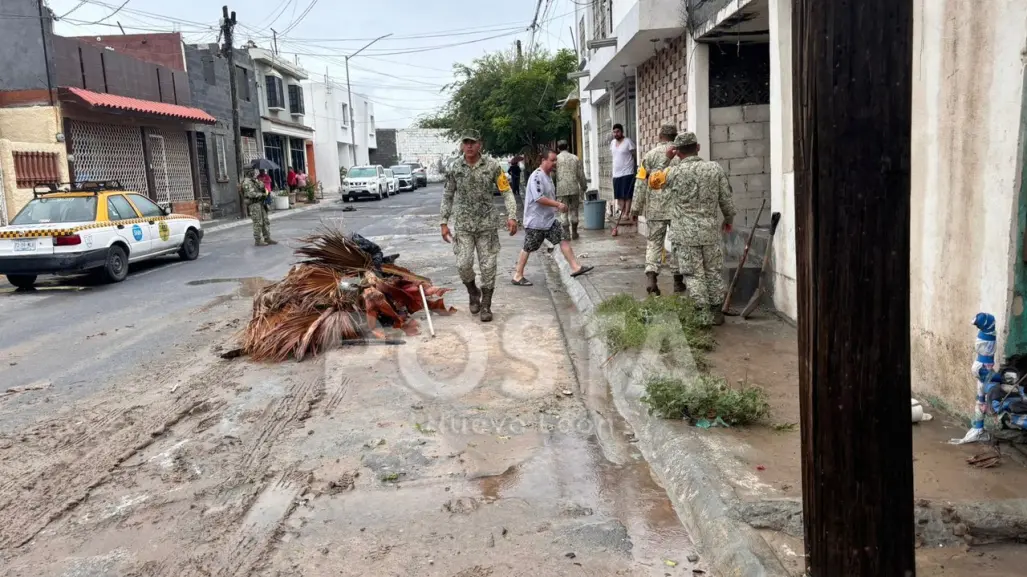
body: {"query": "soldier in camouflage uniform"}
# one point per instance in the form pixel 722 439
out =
pixel 570 188
pixel 700 191
pixel 467 199
pixel 653 204
pixel 256 194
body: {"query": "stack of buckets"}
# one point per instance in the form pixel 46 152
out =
pixel 595 211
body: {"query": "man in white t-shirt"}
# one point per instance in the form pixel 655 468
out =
pixel 623 152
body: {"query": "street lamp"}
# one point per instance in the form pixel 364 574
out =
pixel 349 95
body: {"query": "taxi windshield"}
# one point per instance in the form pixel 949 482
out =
pixel 57 210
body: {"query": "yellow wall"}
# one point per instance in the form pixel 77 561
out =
pixel 31 129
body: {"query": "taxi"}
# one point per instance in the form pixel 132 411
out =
pixel 96 227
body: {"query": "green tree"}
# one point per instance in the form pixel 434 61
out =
pixel 511 101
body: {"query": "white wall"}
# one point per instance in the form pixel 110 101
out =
pixel 426 145
pixel 968 71
pixel 333 131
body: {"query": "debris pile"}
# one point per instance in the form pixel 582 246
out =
pixel 343 289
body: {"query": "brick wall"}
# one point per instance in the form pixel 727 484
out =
pixel 163 49
pixel 661 90
pixel 386 154
pixel 740 139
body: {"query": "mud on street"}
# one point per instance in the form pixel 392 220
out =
pixel 479 452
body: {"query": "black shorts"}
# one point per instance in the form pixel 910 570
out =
pixel 624 187
pixel 534 237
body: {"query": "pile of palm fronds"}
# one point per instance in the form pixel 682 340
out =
pixel 335 293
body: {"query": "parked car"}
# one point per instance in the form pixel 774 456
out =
pixel 95 227
pixel 420 174
pixel 393 181
pixel 405 175
pixel 365 182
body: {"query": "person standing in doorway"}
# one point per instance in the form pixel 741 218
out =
pixel 467 199
pixel 700 193
pixel 622 150
pixel 652 202
pixel 515 183
pixel 570 188
pixel 540 224
pixel 290 180
pixel 258 195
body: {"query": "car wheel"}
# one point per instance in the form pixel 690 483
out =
pixel 381 196
pixel 116 267
pixel 190 246
pixel 22 281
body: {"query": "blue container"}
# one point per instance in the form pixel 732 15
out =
pixel 595 214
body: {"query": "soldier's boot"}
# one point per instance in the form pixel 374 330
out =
pixel 653 287
pixel 679 284
pixel 718 315
pixel 269 241
pixel 574 231
pixel 259 243
pixel 475 295
pixel 486 305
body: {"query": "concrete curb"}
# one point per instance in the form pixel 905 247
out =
pixel 273 216
pixel 701 496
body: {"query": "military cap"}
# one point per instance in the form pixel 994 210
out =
pixel 668 131
pixel 685 139
pixel 472 135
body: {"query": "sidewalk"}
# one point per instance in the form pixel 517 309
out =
pixel 738 490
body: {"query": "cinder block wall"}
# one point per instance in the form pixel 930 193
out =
pixel 740 142
pixel 662 85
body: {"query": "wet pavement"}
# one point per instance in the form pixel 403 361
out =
pixel 487 450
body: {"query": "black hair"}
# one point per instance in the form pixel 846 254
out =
pixel 562 145
pixel 618 126
pixel 546 152
pixel 689 148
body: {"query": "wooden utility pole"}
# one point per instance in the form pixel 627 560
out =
pixel 228 33
pixel 852 90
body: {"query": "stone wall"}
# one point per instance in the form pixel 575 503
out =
pixel 740 142
pixel 431 147
pixel 661 92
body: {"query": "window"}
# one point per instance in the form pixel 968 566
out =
pixel 296 99
pixel 345 114
pixel 220 158
pixel 275 94
pixel 146 207
pixel 242 83
pixel 297 154
pixel 362 172
pixel 58 210
pixel 119 209
pixel 581 37
pixel 371 132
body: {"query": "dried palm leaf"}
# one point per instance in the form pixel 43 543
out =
pixel 332 249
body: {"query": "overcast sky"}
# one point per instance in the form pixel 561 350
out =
pixel 401 74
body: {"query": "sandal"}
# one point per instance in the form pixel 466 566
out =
pixel 522 282
pixel 584 269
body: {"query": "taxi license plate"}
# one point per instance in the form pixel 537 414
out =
pixel 24 246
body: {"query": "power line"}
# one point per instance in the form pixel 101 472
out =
pixel 118 9
pixel 296 22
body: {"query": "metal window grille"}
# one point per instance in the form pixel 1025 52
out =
pixel 32 168
pixel 221 158
pixel 739 74
pixel 250 150
pixel 172 169
pixel 108 152
pixel 297 154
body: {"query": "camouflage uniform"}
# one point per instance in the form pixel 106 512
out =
pixel 699 191
pixel 653 203
pixel 254 192
pixel 468 201
pixel 570 188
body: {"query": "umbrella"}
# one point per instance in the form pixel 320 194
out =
pixel 263 164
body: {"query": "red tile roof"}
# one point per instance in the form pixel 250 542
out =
pixel 145 106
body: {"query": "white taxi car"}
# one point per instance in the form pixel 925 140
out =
pixel 97 227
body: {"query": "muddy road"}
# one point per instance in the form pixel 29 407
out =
pixel 484 451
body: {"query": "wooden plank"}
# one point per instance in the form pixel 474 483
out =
pixel 852 90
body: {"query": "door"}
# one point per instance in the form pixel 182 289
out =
pixel 137 235
pixel 1016 341
pixel 203 161
pixel 159 167
pixel 160 229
